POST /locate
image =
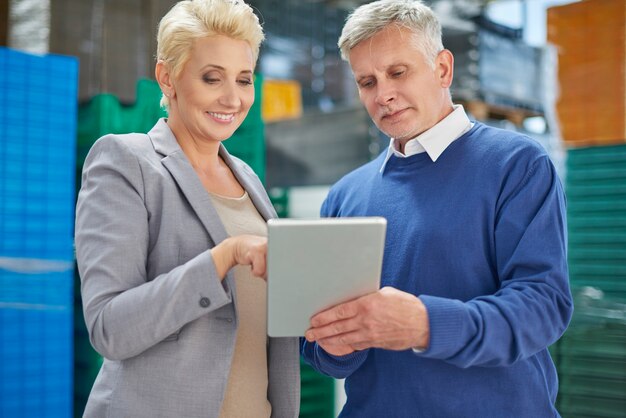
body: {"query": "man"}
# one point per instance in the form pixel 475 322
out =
pixel 475 284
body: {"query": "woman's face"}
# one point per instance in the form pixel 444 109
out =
pixel 212 95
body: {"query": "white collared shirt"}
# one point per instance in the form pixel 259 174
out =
pixel 435 140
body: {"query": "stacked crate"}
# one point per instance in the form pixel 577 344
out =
pixel 279 196
pixel 282 100
pixel 590 37
pixel 596 193
pixel 317 394
pixel 481 54
pixel 592 363
pixel 591 110
pixel 592 353
pixel 37 143
pixel 301 45
pixel 104 114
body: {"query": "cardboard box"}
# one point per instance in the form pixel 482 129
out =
pixel 590 37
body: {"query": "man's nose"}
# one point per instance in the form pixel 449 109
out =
pixel 385 93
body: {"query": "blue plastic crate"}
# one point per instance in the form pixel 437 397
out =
pixel 37 282
pixel 36 331
pixel 38 110
pixel 36 358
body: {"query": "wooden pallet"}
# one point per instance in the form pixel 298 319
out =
pixel 483 111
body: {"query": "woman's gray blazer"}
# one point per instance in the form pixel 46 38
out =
pixel 154 306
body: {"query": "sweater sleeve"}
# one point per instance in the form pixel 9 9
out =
pixel 533 305
pixel 338 367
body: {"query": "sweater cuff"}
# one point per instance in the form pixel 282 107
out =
pixel 340 365
pixel 445 320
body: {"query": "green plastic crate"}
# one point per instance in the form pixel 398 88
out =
pixel 583 253
pixel 591 239
pixel 280 199
pixel 317 399
pixel 599 156
pixel 587 191
pixel 591 407
pixel 593 366
pixel 592 386
pixel 607 174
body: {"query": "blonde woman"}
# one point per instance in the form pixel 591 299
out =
pixel 170 241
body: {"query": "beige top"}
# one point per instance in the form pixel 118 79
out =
pixel 246 393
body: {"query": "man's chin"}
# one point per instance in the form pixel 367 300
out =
pixel 401 136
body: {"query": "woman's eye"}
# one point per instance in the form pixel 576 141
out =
pixel 211 80
pixel 397 73
pixel 245 82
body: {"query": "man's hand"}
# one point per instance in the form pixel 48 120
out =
pixel 389 319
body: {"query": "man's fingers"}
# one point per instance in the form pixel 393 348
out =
pixel 344 311
pixel 337 350
pixel 332 329
pixel 353 339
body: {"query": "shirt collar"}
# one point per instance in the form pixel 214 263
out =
pixel 435 140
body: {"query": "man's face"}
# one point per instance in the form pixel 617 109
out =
pixel 403 94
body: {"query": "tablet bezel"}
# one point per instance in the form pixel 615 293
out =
pixel 314 264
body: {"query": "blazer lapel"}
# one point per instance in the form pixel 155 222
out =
pixel 251 184
pixel 178 165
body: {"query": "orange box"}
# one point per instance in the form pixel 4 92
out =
pixel 281 99
pixel 590 37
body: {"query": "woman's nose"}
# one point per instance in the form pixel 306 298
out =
pixel 230 95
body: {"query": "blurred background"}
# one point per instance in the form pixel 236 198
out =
pixel 74 70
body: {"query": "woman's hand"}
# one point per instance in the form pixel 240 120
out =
pixel 245 250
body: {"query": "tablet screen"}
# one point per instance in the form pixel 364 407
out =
pixel 314 264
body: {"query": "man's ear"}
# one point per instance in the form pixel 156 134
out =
pixel 444 67
pixel 164 78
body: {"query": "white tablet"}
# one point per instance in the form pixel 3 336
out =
pixel 315 264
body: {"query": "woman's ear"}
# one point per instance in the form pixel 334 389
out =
pixel 444 65
pixel 163 77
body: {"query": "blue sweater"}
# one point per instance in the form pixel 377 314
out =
pixel 480 236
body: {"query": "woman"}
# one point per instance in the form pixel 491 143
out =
pixel 170 241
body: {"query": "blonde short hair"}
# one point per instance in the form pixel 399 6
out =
pixel 370 18
pixel 189 20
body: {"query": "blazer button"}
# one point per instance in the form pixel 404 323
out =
pixel 205 302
